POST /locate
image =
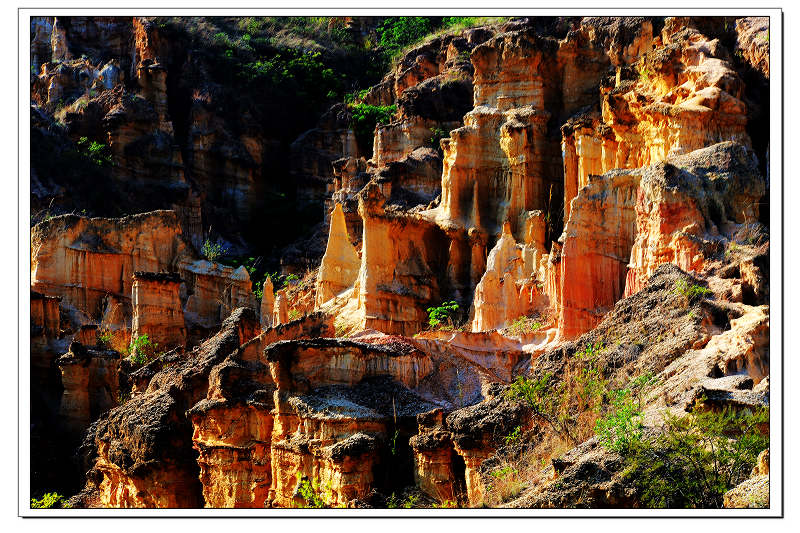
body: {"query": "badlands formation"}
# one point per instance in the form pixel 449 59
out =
pixel 591 174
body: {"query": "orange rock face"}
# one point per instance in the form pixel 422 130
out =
pixel 157 310
pixel 597 244
pixel 340 264
pixel 90 382
pixel 82 260
pixel 214 291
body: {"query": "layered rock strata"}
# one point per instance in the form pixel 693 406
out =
pixel 157 310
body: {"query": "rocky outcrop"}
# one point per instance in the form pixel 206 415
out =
pixel 82 260
pixel 597 244
pixel 340 264
pixel 141 451
pixel 214 291
pixel 689 201
pixel 508 289
pixel 90 380
pixel 754 492
pixel 157 310
pixel 753 42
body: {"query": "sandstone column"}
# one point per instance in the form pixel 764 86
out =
pixel 157 310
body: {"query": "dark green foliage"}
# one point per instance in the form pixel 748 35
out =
pixel 364 119
pixel 437 134
pixel 698 458
pixel 395 33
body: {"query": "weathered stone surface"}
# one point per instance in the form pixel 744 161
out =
pixel 82 259
pixel 157 310
pixel 90 381
pixel 753 42
pixel 340 264
pixel 688 201
pixel 597 242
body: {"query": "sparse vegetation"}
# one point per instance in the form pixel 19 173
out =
pixel 692 291
pixel 51 500
pixel 364 119
pixel 393 502
pixel 524 325
pixel 294 314
pixel 514 436
pixel 621 427
pixel 97 153
pixel 437 134
pixel 212 250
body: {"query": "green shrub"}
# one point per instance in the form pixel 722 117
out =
pixel 212 250
pixel 514 436
pixel 437 134
pixel 143 350
pixel 445 312
pixel 621 427
pixel 698 458
pixel 51 500
pixel 395 33
pixel 544 397
pixel 311 494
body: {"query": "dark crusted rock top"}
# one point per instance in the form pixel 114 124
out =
pixel 354 446
pixel 492 419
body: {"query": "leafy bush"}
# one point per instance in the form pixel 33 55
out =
pixel 571 404
pixel 51 500
pixel 442 313
pixel 294 314
pixel 437 134
pixel 104 337
pixel 310 492
pixel 514 436
pixel 143 350
pixel 364 119
pixel 621 427
pixel 698 458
